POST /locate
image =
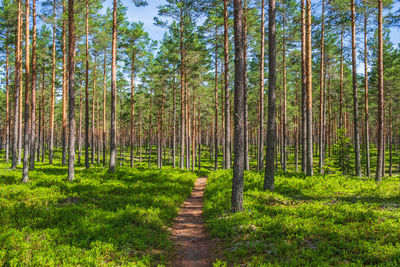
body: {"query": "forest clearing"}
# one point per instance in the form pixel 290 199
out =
pixel 199 133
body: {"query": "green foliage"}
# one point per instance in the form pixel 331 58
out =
pixel 100 219
pixel 312 221
pixel 342 150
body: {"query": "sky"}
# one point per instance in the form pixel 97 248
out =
pixel 144 14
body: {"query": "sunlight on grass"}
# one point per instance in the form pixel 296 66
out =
pixel 98 219
pixel 329 220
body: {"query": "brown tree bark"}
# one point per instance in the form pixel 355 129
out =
pixel 309 91
pixel 303 90
pixel 104 107
pixel 71 89
pixel 33 135
pixel 132 107
pixel 269 177
pixel 53 87
pixel 7 145
pixel 25 169
pixel 366 126
pixel 87 87
pixel 17 95
pixel 182 134
pixel 284 130
pixel 321 95
pixel 93 111
pixel 64 140
pixel 246 122
pixel 216 148
pixel 113 138
pixel 381 100
pixel 355 95
pixel 226 86
pixel 260 161
pixel 238 166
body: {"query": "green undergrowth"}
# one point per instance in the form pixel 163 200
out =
pixel 98 219
pixel 307 221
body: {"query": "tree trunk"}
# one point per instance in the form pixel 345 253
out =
pixel 182 152
pixel 93 111
pixel 246 124
pixel 226 84
pixel 71 89
pixel 321 95
pixel 309 92
pixel 284 130
pixel 7 145
pixel 53 87
pixel 33 90
pixel 64 90
pixel 260 162
pixel 355 97
pixel 238 167
pixel 304 90
pixel 367 155
pixel 132 106
pixel 113 139
pixel 25 177
pixel 17 86
pixel 381 100
pixel 271 131
pixel 87 88
pixel 216 148
pixel 104 107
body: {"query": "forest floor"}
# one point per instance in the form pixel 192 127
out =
pixel 193 244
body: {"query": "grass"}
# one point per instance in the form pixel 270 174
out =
pixel 313 221
pixel 98 219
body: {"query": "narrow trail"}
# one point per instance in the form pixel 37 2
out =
pixel 193 245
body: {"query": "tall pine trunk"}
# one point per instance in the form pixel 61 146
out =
pixel 269 177
pixel 65 93
pixel 355 95
pixel 71 89
pixel 366 127
pixel 226 86
pixel 381 101
pixel 238 167
pixel 260 161
pixel 87 88
pixel 25 177
pixel 309 91
pixel 113 118
pixel 303 90
pixel 321 95
pixel 53 87
pixel 17 95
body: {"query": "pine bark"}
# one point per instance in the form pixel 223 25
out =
pixel 53 87
pixel 303 90
pixel 87 87
pixel 7 144
pixel 309 91
pixel 216 145
pixel 33 135
pixel 238 167
pixel 17 86
pixel 25 169
pixel 93 112
pixel 355 94
pixel 226 86
pixel 321 95
pixel 366 126
pixel 260 162
pixel 381 100
pixel 113 138
pixel 71 89
pixel 132 107
pixel 269 177
pixel 104 107
pixel 65 93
